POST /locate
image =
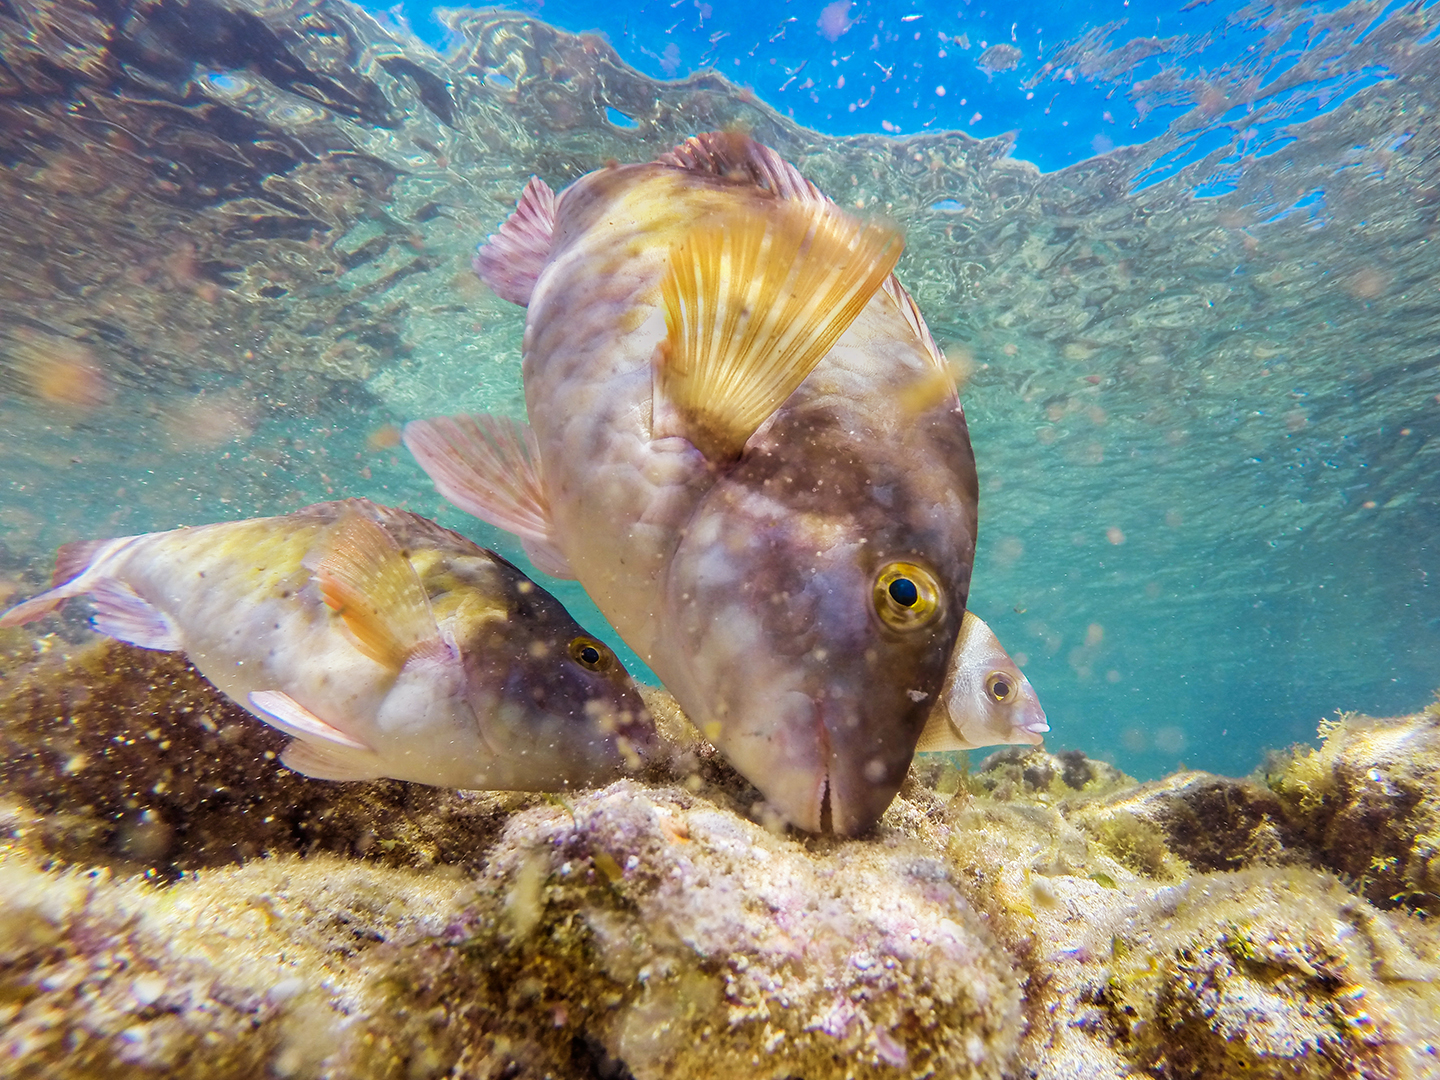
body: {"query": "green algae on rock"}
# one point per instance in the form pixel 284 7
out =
pixel 1367 804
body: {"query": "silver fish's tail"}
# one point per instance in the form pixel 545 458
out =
pixel 79 568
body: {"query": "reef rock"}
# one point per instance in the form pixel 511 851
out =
pixel 1367 804
pixel 1043 916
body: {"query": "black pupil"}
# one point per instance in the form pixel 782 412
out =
pixel 1002 688
pixel 904 592
pixel 589 655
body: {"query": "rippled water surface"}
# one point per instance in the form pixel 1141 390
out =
pixel 234 247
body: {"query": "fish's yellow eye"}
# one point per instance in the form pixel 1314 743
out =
pixel 907 596
pixel 1001 687
pixel 591 654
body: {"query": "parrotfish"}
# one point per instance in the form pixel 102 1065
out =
pixel 382 643
pixel 986 700
pixel 745 444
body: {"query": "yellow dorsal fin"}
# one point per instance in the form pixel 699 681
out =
pixel 754 298
pixel 366 579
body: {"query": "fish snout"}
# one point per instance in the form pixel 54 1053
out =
pixel 868 756
pixel 820 763
pixel 1030 722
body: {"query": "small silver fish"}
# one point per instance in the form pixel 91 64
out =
pixel 986 700
pixel 747 448
pixel 382 643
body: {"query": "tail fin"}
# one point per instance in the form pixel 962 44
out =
pixel 33 608
pixel 72 578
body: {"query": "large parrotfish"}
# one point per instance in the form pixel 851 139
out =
pixel 745 444
pixel 383 643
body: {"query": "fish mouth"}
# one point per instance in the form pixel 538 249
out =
pixel 820 762
pixel 1033 720
pixel 859 775
pixel 826 815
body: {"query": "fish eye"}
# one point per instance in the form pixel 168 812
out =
pixel 907 596
pixel 1001 687
pixel 591 654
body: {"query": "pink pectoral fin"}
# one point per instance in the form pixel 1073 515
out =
pixel 281 711
pixel 488 466
pixel 327 761
pixel 548 559
pixel 33 608
pixel 511 260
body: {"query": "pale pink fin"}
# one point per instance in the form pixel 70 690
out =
pixel 510 261
pixel 34 608
pixel 72 562
pixel 280 710
pixel 488 466
pixel 548 559
pixel 903 301
pixel 940 383
pixel 120 612
pixel 731 154
pixel 327 761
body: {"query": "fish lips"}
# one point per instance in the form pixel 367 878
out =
pixel 828 758
pixel 869 752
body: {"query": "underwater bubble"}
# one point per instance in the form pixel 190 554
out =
pixel 1170 739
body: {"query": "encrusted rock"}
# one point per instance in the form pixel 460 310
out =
pixel 172 900
pixel 119 756
pixel 1191 821
pixel 1367 804
pixel 691 942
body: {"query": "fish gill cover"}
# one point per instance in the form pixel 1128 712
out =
pixel 234 247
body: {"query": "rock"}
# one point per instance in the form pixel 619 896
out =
pixel 173 900
pixel 118 756
pixel 236 972
pixel 1191 821
pixel 687 941
pixel 1367 804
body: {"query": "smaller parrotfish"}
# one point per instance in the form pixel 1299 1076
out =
pixel 986 699
pixel 383 644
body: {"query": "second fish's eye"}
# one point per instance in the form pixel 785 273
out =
pixel 907 596
pixel 1001 687
pixel 591 654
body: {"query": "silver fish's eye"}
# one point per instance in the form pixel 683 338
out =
pixel 591 654
pixel 1001 687
pixel 906 596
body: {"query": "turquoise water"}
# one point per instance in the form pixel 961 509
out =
pixel 1206 390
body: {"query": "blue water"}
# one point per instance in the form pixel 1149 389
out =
pixel 1206 398
pixel 1137 654
pixel 901 68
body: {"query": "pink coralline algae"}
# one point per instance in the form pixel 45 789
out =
pixel 804 952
